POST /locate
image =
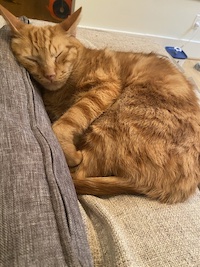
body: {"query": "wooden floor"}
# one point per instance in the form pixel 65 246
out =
pixel 190 71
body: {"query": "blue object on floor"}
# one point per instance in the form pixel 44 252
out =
pixel 176 52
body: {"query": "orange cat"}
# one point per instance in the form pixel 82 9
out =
pixel 128 123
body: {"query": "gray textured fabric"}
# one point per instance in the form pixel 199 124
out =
pixel 40 222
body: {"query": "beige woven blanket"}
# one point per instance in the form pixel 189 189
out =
pixel 129 231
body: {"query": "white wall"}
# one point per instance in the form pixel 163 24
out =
pixel 169 21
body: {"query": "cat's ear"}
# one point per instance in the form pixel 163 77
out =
pixel 70 24
pixel 14 22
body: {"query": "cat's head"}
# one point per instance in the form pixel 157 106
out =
pixel 48 52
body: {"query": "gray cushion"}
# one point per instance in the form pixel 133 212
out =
pixel 40 222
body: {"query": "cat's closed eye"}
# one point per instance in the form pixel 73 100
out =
pixel 58 55
pixel 32 59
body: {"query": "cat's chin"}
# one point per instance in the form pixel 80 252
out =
pixel 52 86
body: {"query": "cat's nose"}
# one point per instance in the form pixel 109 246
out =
pixel 51 76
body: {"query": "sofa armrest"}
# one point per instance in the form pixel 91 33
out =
pixel 40 221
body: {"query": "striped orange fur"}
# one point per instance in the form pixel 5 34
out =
pixel 128 123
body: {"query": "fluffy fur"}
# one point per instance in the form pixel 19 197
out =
pixel 128 123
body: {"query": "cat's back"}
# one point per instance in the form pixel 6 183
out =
pixel 132 69
pixel 154 81
pixel 152 131
pixel 157 102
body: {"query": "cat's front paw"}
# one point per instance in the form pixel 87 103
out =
pixel 74 158
pixel 65 139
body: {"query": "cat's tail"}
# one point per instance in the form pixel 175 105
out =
pixel 101 186
pixel 112 185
